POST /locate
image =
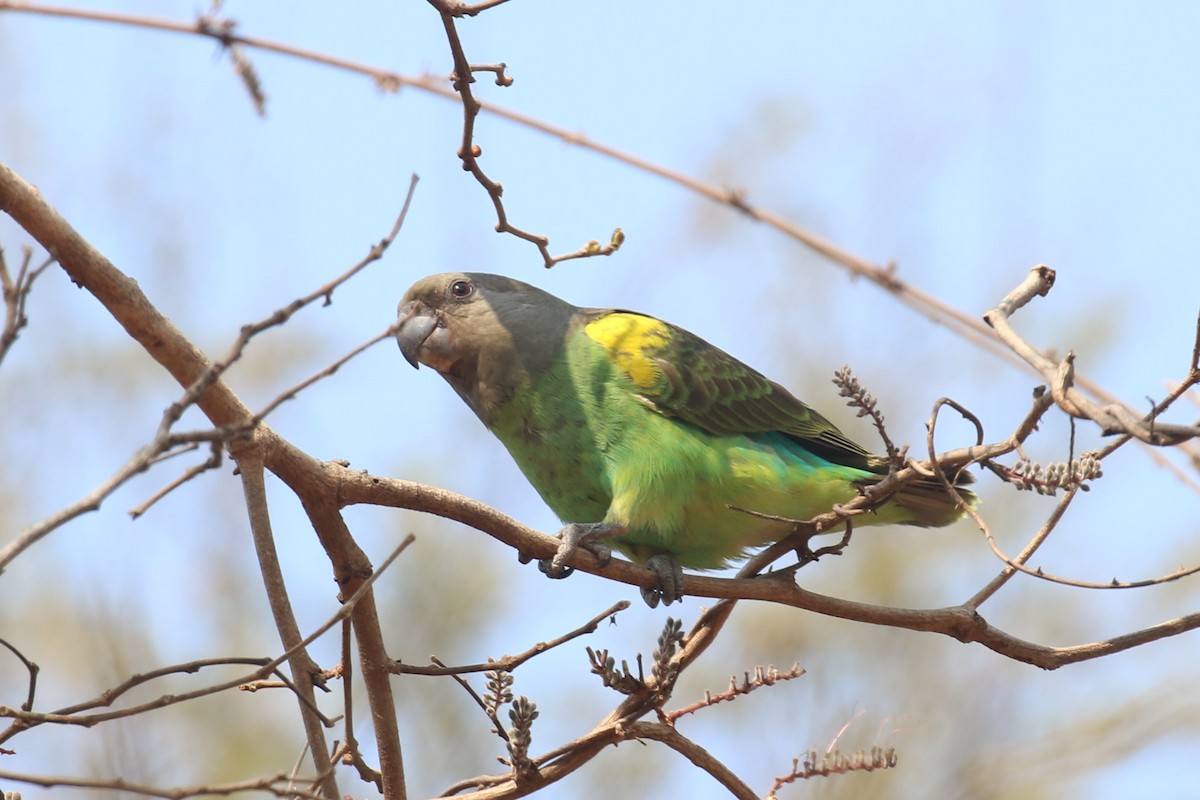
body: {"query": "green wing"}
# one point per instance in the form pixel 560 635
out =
pixel 680 375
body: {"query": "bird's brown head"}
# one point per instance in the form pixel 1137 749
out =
pixel 482 332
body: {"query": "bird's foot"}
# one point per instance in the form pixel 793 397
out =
pixel 670 581
pixel 574 536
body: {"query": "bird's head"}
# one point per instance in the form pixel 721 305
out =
pixel 424 330
pixel 456 321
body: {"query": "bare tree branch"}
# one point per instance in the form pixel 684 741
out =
pixel 305 672
pixel 509 663
pixel 139 463
pixel 16 296
pixel 762 677
pixel 70 715
pixel 312 481
pixel 834 763
pixel 30 667
pixel 566 759
pixel 963 623
pixel 461 80
pixel 325 488
pixel 885 277
pixel 1016 564
pixel 277 785
pixel 24 719
pixel 693 753
pixel 1113 417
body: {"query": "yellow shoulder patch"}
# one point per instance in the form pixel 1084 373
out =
pixel 627 338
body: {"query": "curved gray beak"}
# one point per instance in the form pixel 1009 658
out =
pixel 417 322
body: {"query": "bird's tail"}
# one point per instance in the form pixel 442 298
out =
pixel 927 504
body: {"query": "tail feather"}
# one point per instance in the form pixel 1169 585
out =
pixel 926 503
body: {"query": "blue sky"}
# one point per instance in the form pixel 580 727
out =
pixel 964 142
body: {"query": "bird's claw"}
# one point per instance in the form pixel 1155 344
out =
pixel 591 535
pixel 669 586
pixel 546 565
pixel 571 538
pixel 601 551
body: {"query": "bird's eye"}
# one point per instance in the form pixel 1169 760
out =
pixel 461 289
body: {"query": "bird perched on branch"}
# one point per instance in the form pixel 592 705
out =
pixel 640 434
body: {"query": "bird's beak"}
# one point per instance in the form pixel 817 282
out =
pixel 417 321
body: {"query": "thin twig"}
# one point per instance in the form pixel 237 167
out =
pixel 16 296
pixel 138 463
pixel 497 726
pixel 366 772
pixel 613 729
pixel 510 663
pixel 32 668
pixel 694 753
pixel 213 461
pixel 285 313
pixel 305 671
pixel 858 397
pixel 834 763
pixel 1015 565
pixel 469 152
pixel 1018 563
pixel 376 252
pixel 762 677
pixel 329 371
pixel 279 785
pixel 966 325
pixel 70 715
pixel 1112 418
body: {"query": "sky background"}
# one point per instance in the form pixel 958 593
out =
pixel 963 142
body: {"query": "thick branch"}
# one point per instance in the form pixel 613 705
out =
pixel 959 622
pixel 308 478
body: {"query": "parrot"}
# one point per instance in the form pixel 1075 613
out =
pixel 639 435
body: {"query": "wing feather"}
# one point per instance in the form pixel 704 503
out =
pixel 681 375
